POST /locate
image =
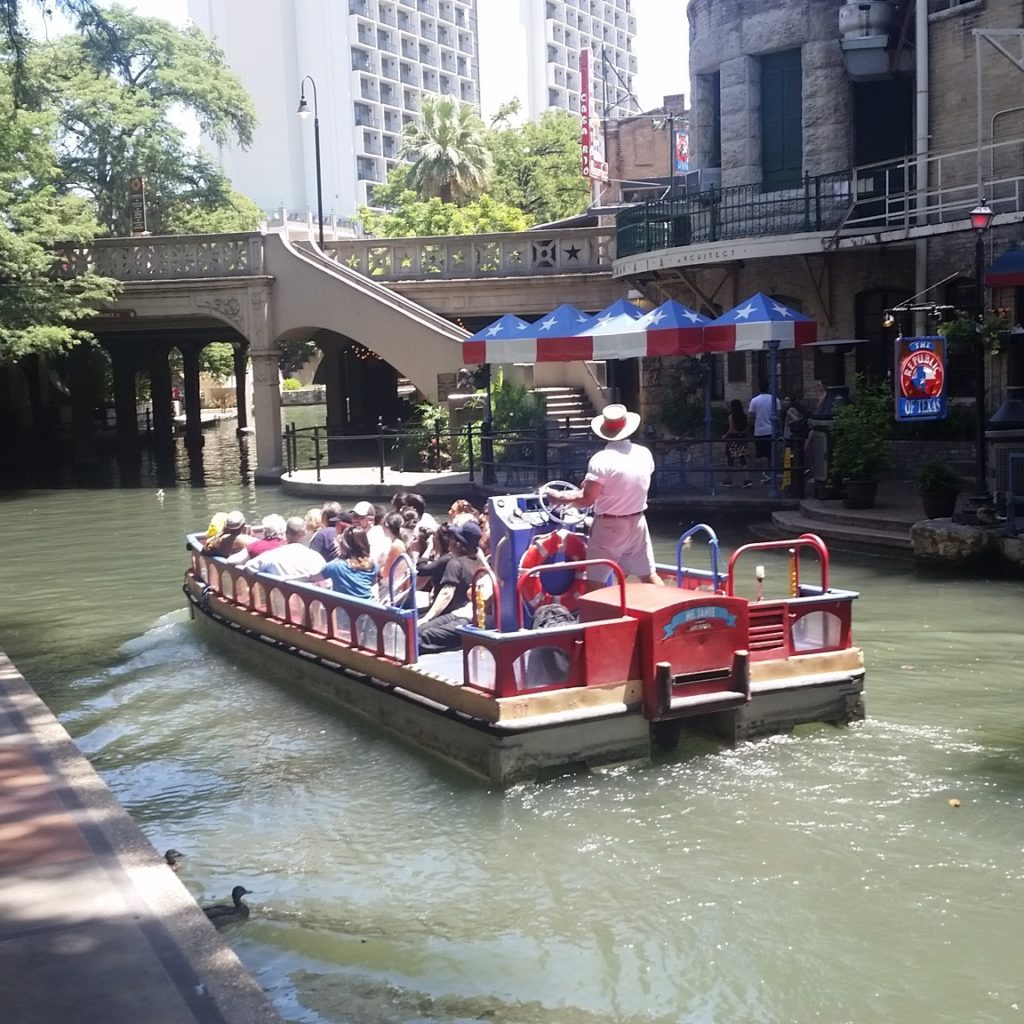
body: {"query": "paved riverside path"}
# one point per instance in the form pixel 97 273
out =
pixel 94 927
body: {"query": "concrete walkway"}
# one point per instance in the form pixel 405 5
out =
pixel 94 927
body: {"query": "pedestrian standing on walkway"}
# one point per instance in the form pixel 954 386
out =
pixel 764 411
pixel 617 481
pixel 737 443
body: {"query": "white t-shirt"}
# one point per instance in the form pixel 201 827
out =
pixel 289 561
pixel 761 410
pixel 623 470
pixel 380 544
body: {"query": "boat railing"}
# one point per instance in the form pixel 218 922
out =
pixel 805 540
pixel 378 630
pixel 716 578
pixel 577 567
pixel 478 596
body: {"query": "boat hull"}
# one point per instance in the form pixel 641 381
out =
pixel 502 753
pixel 472 732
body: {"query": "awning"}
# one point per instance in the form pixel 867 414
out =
pixel 753 324
pixel 1007 271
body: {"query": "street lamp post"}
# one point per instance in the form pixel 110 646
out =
pixel 303 112
pixel 981 221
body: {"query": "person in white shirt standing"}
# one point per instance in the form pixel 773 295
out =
pixel 617 481
pixel 764 413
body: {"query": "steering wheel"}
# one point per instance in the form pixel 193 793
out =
pixel 564 515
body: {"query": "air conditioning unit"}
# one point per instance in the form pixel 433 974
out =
pixel 703 180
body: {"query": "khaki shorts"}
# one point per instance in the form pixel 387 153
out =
pixel 626 541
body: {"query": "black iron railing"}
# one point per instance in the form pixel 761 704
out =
pixel 817 203
pixel 523 460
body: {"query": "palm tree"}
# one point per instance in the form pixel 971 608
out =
pixel 449 154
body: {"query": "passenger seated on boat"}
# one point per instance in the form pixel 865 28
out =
pixel 292 560
pixel 324 539
pixel 232 537
pixel 272 529
pixel 353 572
pixel 401 583
pixel 440 626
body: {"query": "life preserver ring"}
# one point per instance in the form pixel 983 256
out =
pixel 552 587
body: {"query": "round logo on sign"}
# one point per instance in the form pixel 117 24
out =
pixel 135 184
pixel 921 375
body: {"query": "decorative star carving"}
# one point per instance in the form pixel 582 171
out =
pixel 573 252
pixel 744 313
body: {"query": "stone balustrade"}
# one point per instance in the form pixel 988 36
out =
pixel 508 254
pixel 169 257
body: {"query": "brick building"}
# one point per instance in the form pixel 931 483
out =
pixel 835 160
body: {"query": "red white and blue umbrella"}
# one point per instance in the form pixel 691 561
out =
pixel 673 330
pixel 504 341
pixel 551 331
pixel 757 322
pixel 611 334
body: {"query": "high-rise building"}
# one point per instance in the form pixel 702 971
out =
pixel 530 50
pixel 372 61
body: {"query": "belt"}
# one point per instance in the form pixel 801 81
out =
pixel 628 515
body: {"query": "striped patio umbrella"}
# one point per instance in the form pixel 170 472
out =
pixel 673 330
pixel 504 341
pixel 756 324
pixel 611 334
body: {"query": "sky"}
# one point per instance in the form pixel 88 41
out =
pixel 661 43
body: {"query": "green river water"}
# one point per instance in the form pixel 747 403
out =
pixel 819 876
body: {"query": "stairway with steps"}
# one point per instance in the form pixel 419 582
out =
pixel 887 525
pixel 567 405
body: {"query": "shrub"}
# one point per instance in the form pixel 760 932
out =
pixel 861 431
pixel 291 384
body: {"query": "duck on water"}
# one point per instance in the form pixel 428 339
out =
pixel 222 914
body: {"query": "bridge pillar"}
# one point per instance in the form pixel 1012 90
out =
pixel 193 399
pixel 83 402
pixel 125 406
pixel 241 357
pixel 266 409
pixel 163 411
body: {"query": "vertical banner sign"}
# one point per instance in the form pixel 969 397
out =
pixel 137 205
pixel 594 164
pixel 681 150
pixel 920 379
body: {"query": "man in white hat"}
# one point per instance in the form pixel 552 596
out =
pixel 617 481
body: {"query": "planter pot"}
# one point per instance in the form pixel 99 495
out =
pixel 939 504
pixel 860 493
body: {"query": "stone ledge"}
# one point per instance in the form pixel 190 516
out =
pixel 941 541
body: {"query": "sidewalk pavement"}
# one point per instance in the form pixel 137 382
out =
pixel 94 927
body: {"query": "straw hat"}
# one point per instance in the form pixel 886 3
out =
pixel 615 423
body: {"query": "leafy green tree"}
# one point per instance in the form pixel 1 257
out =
pixel 14 36
pixel 416 218
pixel 115 92
pixel 41 298
pixel 236 213
pixel 449 157
pixel 537 167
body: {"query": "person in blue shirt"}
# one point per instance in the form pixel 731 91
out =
pixel 353 572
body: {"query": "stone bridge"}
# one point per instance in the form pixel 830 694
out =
pixel 257 291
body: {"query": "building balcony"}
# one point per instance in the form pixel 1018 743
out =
pixel 832 211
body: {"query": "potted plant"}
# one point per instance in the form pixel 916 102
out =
pixel 860 442
pixel 938 486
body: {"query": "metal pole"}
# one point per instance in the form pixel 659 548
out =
pixel 380 446
pixel 319 186
pixel 303 112
pixel 773 387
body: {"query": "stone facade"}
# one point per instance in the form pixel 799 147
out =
pixel 843 288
